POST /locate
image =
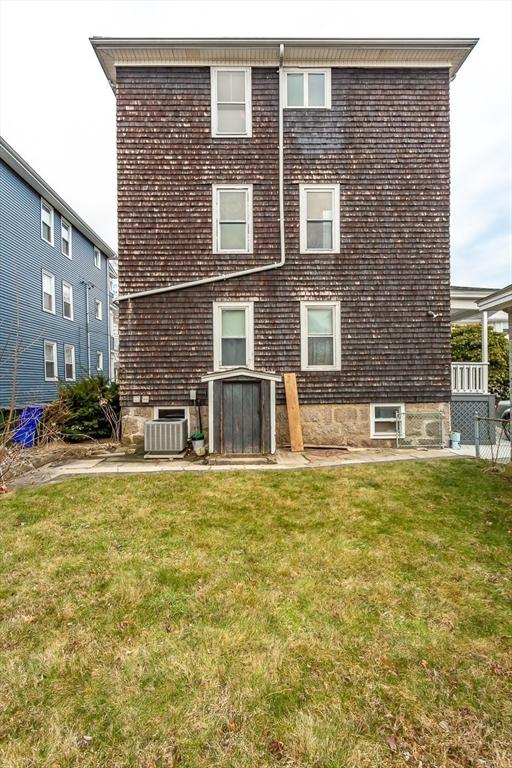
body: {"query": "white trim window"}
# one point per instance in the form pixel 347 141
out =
pixel 97 258
pixel 383 423
pixel 48 290
pixel 47 217
pixel 308 88
pixel 320 333
pixel 67 301
pixel 50 360
pixel 98 309
pixel 232 218
pixel 319 218
pixel 99 361
pixel 231 102
pixel 65 238
pixel 69 362
pixel 233 335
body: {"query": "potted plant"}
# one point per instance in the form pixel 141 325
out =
pixel 198 442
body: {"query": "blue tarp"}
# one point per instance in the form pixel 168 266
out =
pixel 26 432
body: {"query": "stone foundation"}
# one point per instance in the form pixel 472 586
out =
pixel 322 424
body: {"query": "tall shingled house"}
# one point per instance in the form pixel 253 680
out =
pixel 283 208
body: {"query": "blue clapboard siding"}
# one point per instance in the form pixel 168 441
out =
pixel 23 257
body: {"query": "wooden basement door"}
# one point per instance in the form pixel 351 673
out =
pixel 241 417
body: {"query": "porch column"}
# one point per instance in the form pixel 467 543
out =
pixel 485 350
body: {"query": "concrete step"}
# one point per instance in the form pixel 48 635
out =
pixel 240 460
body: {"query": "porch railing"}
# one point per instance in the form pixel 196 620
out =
pixel 469 377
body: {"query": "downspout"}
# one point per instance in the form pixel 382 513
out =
pixel 87 329
pixel 252 270
pixel 109 351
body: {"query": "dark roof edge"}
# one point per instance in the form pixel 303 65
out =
pixel 34 180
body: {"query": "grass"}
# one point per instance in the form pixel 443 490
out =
pixel 329 618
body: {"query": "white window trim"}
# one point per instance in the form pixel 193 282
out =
pixel 304 306
pixel 216 188
pixel 45 273
pixel 98 304
pixel 312 70
pixel 63 224
pixel 100 355
pixel 97 258
pixel 391 435
pixel 68 285
pixel 56 360
pixel 218 306
pixel 72 348
pixel 51 241
pixel 248 103
pixel 334 189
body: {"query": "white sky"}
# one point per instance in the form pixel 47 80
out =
pixel 58 112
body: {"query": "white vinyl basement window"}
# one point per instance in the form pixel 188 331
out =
pixel 46 222
pixel 65 238
pixel 233 335
pixel 320 335
pixel 383 419
pixel 231 101
pixel 69 362
pixel 67 301
pixel 50 361
pixel 232 218
pixel 308 88
pixel 48 281
pixel 319 218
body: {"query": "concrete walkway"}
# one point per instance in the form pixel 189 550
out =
pixel 120 464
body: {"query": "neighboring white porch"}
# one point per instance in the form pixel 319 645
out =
pixel 467 306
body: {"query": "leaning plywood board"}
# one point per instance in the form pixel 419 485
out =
pixel 292 407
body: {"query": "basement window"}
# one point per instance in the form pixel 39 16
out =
pixel 308 88
pixel 168 413
pixel 231 101
pixel 384 420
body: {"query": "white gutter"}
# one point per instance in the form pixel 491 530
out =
pixel 252 270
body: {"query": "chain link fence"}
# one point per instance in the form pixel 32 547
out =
pixel 420 429
pixel 492 440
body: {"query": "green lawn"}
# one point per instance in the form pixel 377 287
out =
pixel 356 617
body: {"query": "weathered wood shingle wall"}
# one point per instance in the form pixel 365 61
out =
pixel 385 140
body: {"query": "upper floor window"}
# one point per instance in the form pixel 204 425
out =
pixel 308 88
pixel 99 361
pixel 50 361
pixel 232 218
pixel 319 218
pixel 65 238
pixel 67 301
pixel 98 309
pixel 320 335
pixel 46 222
pixel 69 362
pixel 231 101
pixel 48 292
pixel 97 258
pixel 233 333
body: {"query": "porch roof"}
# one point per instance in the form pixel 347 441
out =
pixel 232 373
pixel 501 299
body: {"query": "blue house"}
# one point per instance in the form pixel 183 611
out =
pixel 55 307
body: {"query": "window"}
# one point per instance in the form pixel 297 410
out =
pixel 50 360
pixel 383 419
pixel 99 361
pixel 231 101
pixel 232 218
pixel 319 218
pixel 67 301
pixel 98 309
pixel 65 238
pixel 69 362
pixel 46 222
pixel 308 88
pixel 233 335
pixel 97 258
pixel 48 292
pixel 320 336
pixel 168 413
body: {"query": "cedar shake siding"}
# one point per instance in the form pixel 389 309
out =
pixel 385 141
